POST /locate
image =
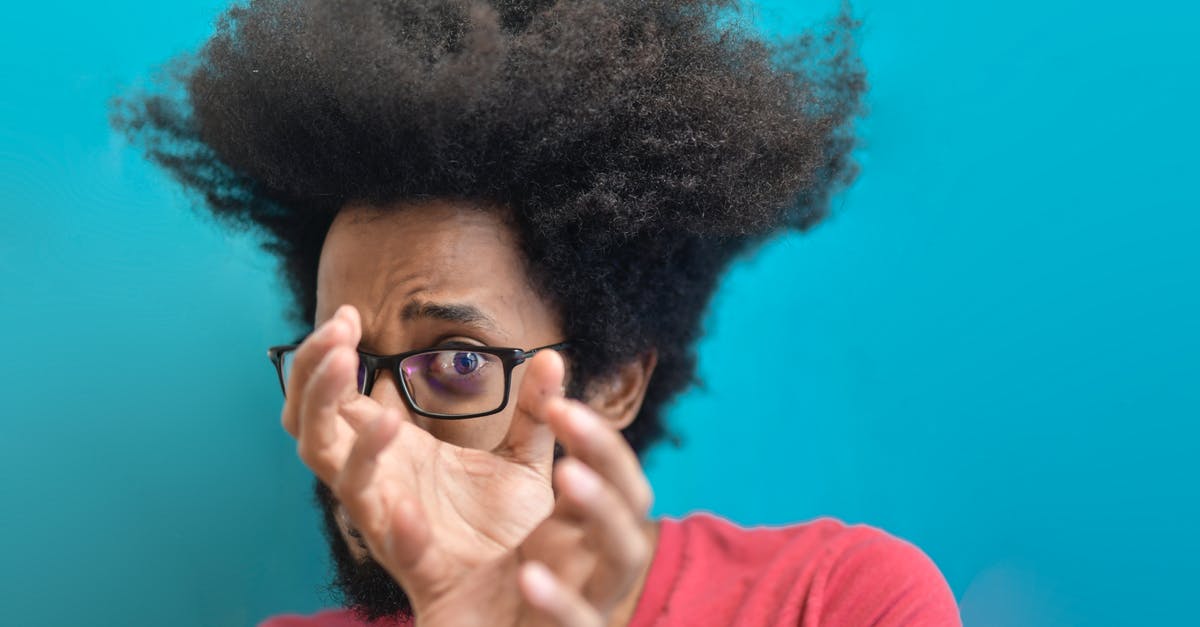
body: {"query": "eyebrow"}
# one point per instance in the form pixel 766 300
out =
pixel 469 315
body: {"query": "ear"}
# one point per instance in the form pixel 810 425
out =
pixel 618 397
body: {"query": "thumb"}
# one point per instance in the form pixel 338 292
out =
pixel 529 439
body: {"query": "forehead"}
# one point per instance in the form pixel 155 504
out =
pixel 398 263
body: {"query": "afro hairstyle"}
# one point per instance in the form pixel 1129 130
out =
pixel 638 146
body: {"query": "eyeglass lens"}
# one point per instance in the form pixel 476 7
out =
pixel 450 382
pixel 455 382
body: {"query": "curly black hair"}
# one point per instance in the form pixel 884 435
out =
pixel 639 145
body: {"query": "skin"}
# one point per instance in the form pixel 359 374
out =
pixel 472 517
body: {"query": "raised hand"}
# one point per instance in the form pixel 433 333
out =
pixel 476 536
pixel 585 559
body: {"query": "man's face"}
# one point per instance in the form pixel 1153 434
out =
pixel 421 276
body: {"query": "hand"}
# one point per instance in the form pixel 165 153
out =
pixel 594 544
pixel 476 536
pixel 576 567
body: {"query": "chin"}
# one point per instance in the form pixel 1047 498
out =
pixel 360 582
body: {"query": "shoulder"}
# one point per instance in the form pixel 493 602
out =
pixel 821 572
pixel 876 578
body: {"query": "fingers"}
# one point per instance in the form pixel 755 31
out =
pixel 356 479
pixel 529 439
pixel 359 411
pixel 343 329
pixel 323 407
pixel 603 492
pixel 587 438
pixel 325 438
pixel 611 531
pixel 557 603
pixel 388 516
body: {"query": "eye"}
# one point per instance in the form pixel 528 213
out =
pixel 455 381
pixel 463 363
pixel 466 363
pixel 455 372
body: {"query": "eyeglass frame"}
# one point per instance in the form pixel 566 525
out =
pixel 509 357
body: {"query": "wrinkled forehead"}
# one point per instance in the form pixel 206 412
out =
pixel 451 259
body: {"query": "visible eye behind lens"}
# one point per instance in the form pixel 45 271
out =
pixel 466 363
pixel 457 372
pixel 455 382
pixel 456 364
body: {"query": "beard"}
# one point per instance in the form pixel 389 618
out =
pixel 365 587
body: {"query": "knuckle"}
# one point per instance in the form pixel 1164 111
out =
pixel 641 550
pixel 302 451
pixel 321 460
pixel 287 418
pixel 325 461
pixel 643 497
pixel 306 452
pixel 632 552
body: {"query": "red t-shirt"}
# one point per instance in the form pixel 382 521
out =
pixel 823 573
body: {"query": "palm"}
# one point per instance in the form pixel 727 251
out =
pixel 478 505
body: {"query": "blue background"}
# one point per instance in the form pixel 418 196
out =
pixel 990 349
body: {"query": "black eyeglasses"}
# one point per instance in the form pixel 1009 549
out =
pixel 451 383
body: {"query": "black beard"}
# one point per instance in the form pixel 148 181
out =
pixel 364 586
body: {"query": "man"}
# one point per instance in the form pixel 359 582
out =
pixel 504 222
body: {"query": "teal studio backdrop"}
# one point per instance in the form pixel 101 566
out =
pixel 990 349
